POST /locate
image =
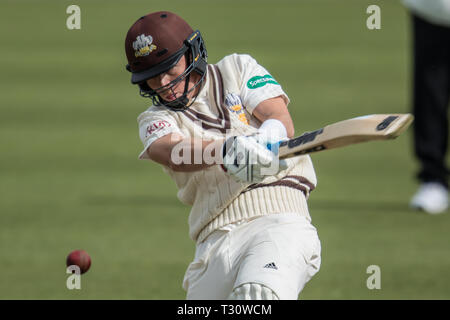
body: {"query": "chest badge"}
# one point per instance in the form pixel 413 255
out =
pixel 234 104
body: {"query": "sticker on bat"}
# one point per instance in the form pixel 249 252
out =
pixel 304 138
pixel 311 150
pixel 386 122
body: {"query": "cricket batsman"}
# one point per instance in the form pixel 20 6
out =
pixel 214 129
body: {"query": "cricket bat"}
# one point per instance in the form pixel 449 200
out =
pixel 347 132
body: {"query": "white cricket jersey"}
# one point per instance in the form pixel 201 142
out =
pixel 435 11
pixel 232 89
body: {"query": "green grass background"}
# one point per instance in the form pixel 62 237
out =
pixel 70 178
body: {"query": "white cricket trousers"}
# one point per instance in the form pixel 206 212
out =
pixel 279 251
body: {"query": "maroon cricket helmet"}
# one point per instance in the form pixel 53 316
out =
pixel 155 43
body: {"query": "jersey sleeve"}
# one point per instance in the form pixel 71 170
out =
pixel 257 83
pixel 154 125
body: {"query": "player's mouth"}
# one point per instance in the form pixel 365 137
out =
pixel 169 97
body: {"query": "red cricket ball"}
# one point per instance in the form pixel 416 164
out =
pixel 79 258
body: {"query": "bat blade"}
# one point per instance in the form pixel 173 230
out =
pixel 347 132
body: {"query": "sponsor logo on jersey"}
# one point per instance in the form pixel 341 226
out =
pixel 260 81
pixel 143 45
pixel 156 126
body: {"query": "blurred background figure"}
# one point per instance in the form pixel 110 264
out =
pixel 431 93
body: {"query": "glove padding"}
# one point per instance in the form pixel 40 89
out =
pixel 249 161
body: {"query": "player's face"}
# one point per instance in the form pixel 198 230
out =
pixel 171 93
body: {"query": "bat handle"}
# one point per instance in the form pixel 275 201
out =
pixel 273 146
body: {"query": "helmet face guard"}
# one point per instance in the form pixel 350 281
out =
pixel 196 56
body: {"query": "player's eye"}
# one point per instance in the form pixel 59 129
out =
pixel 173 72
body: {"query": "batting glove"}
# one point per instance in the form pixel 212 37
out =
pixel 270 134
pixel 248 160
